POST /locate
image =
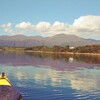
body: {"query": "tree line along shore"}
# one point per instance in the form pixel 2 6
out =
pixel 88 49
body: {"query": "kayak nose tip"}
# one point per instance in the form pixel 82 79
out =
pixel 3 74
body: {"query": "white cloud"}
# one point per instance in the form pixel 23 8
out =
pixel 7 27
pixel 43 26
pixel 85 26
pixel 58 26
pixel 25 25
pixel 90 22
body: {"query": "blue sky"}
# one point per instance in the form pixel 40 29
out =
pixel 50 17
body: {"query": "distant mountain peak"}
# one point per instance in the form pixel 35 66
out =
pixel 64 35
pixel 19 35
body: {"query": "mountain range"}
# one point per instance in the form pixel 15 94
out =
pixel 31 41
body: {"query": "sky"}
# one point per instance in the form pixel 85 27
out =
pixel 50 17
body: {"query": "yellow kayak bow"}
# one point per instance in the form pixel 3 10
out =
pixel 7 91
pixel 4 80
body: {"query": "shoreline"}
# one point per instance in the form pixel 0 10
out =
pixel 72 53
pixel 20 50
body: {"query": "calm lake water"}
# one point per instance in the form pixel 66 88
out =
pixel 53 76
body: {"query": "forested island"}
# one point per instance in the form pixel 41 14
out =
pixel 95 49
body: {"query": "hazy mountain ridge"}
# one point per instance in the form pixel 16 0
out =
pixel 29 41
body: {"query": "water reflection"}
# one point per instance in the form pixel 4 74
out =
pixel 86 80
pixel 82 81
pixel 64 77
pixel 58 61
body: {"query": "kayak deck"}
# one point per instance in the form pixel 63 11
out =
pixel 7 91
pixel 4 82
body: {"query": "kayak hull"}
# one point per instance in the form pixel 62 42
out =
pixel 7 91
